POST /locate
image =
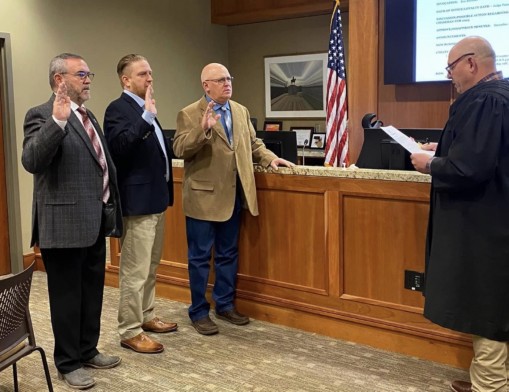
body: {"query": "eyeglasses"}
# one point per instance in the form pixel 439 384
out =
pixel 82 75
pixel 221 81
pixel 451 66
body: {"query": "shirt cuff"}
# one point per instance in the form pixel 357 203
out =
pixel 60 123
pixel 148 116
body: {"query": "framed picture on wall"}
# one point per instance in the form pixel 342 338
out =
pixel 303 135
pixel 295 86
pixel 318 141
pixel 272 125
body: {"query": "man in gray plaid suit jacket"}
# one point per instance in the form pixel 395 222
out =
pixel 73 177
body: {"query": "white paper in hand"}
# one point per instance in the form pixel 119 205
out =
pixel 406 142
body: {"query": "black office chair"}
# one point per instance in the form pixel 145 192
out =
pixel 17 338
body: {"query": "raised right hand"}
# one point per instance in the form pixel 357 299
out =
pixel 150 102
pixel 209 117
pixel 62 103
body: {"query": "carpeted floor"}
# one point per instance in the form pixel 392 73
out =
pixel 258 357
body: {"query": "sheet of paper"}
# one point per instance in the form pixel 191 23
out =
pixel 406 142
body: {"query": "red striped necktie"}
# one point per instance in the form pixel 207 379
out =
pixel 98 150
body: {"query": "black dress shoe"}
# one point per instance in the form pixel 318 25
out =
pixel 461 386
pixel 205 326
pixel 234 317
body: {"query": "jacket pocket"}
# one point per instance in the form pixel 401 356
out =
pixel 202 185
pixel 59 202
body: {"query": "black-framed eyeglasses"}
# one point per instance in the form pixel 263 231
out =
pixel 451 66
pixel 82 75
pixel 221 81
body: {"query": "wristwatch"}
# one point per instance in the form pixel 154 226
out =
pixel 428 165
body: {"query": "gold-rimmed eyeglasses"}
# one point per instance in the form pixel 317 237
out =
pixel 221 81
pixel 82 75
pixel 451 66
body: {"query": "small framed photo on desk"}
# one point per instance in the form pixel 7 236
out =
pixel 272 125
pixel 303 135
pixel 318 141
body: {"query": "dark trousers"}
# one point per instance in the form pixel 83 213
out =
pixel 224 236
pixel 75 287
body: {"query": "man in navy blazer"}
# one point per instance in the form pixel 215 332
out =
pixel 144 171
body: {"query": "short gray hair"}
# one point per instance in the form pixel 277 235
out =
pixel 58 65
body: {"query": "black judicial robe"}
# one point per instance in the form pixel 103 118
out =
pixel 467 250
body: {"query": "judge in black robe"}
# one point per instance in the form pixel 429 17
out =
pixel 467 250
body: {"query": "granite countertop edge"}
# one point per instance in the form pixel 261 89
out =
pixel 351 172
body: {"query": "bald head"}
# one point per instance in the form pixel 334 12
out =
pixel 217 82
pixel 473 59
pixel 212 69
pixel 478 45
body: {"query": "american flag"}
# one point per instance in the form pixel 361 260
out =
pixel 336 147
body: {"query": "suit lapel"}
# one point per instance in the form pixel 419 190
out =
pixel 137 108
pixel 236 124
pixel 77 126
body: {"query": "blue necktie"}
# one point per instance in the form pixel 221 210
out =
pixel 227 123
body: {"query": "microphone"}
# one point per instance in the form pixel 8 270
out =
pixel 303 148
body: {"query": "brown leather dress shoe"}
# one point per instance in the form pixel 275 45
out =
pixel 159 326
pixel 461 386
pixel 234 317
pixel 205 326
pixel 142 344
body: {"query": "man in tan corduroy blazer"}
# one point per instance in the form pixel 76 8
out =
pixel 217 141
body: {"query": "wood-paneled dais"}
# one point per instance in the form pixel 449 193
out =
pixel 327 255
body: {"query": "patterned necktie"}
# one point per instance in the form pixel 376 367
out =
pixel 98 150
pixel 227 122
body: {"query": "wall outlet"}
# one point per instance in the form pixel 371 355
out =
pixel 414 280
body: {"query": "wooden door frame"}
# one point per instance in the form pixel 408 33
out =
pixel 10 155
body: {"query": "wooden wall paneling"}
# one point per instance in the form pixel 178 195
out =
pixel 334 234
pixel 285 245
pixel 174 254
pixel 236 12
pixel 377 254
pixel 175 244
pixel 115 252
pixel 362 72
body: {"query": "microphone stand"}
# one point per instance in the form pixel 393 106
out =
pixel 303 156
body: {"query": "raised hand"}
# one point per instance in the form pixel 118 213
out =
pixel 209 117
pixel 62 103
pixel 150 103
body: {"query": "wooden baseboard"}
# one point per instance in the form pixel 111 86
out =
pixel 29 258
pixel 395 341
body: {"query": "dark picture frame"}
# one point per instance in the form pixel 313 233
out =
pixel 273 125
pixel 318 141
pixel 303 135
pixel 295 86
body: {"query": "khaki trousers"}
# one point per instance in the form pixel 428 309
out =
pixel 141 248
pixel 489 370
